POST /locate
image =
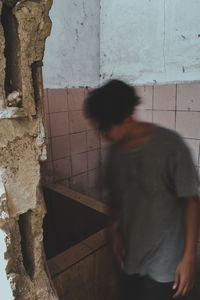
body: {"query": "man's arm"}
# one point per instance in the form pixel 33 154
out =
pixel 114 237
pixel 185 272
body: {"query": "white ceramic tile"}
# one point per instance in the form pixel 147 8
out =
pixel 164 97
pixel 77 121
pixel 80 183
pixel 79 163
pixel 164 118
pixel 143 115
pixel 93 178
pixel 188 96
pixel 146 95
pixel 188 124
pixel 93 159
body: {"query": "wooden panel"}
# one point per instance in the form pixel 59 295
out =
pixel 68 258
pixel 68 222
pixel 83 199
pixel 96 240
pixel 94 278
pixel 77 281
pixel 107 276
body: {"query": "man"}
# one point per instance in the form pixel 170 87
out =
pixel 153 197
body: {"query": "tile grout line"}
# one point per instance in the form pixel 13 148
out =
pixel 73 133
pixel 86 132
pixel 50 138
pixel 99 165
pixel 70 154
pixel 85 172
pixel 152 103
pixel 198 162
pixel 176 105
pixel 180 110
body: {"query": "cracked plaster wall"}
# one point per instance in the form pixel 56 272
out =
pixel 22 148
pixel 143 42
pixel 72 55
pixel 150 41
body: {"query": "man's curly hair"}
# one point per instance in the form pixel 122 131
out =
pixel 111 103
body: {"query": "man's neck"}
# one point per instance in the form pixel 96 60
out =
pixel 138 133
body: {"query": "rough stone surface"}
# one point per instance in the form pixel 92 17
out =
pixel 11 3
pixel 22 148
pixel 33 27
pixel 25 269
pixel 21 158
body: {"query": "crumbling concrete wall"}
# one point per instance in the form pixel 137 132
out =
pixel 23 30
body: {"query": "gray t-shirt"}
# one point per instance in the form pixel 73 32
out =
pixel 146 185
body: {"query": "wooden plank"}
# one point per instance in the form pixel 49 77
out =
pixel 96 240
pixel 76 282
pixel 67 258
pixel 93 278
pixel 76 196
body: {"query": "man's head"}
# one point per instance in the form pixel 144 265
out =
pixel 111 104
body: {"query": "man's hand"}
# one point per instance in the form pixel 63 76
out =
pixel 184 277
pixel 185 272
pixel 115 239
pixel 118 249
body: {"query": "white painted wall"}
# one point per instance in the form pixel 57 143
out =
pixel 6 292
pixel 141 41
pixel 150 40
pixel 72 51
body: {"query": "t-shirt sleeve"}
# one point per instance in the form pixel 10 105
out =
pixel 184 173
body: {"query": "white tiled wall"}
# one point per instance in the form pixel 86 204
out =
pixel 176 106
pixel 75 150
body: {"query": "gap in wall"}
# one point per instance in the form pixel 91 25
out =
pixel 36 69
pixel 13 80
pixel 27 241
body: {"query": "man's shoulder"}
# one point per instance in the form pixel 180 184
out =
pixel 169 135
pixel 169 142
pixel 168 132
